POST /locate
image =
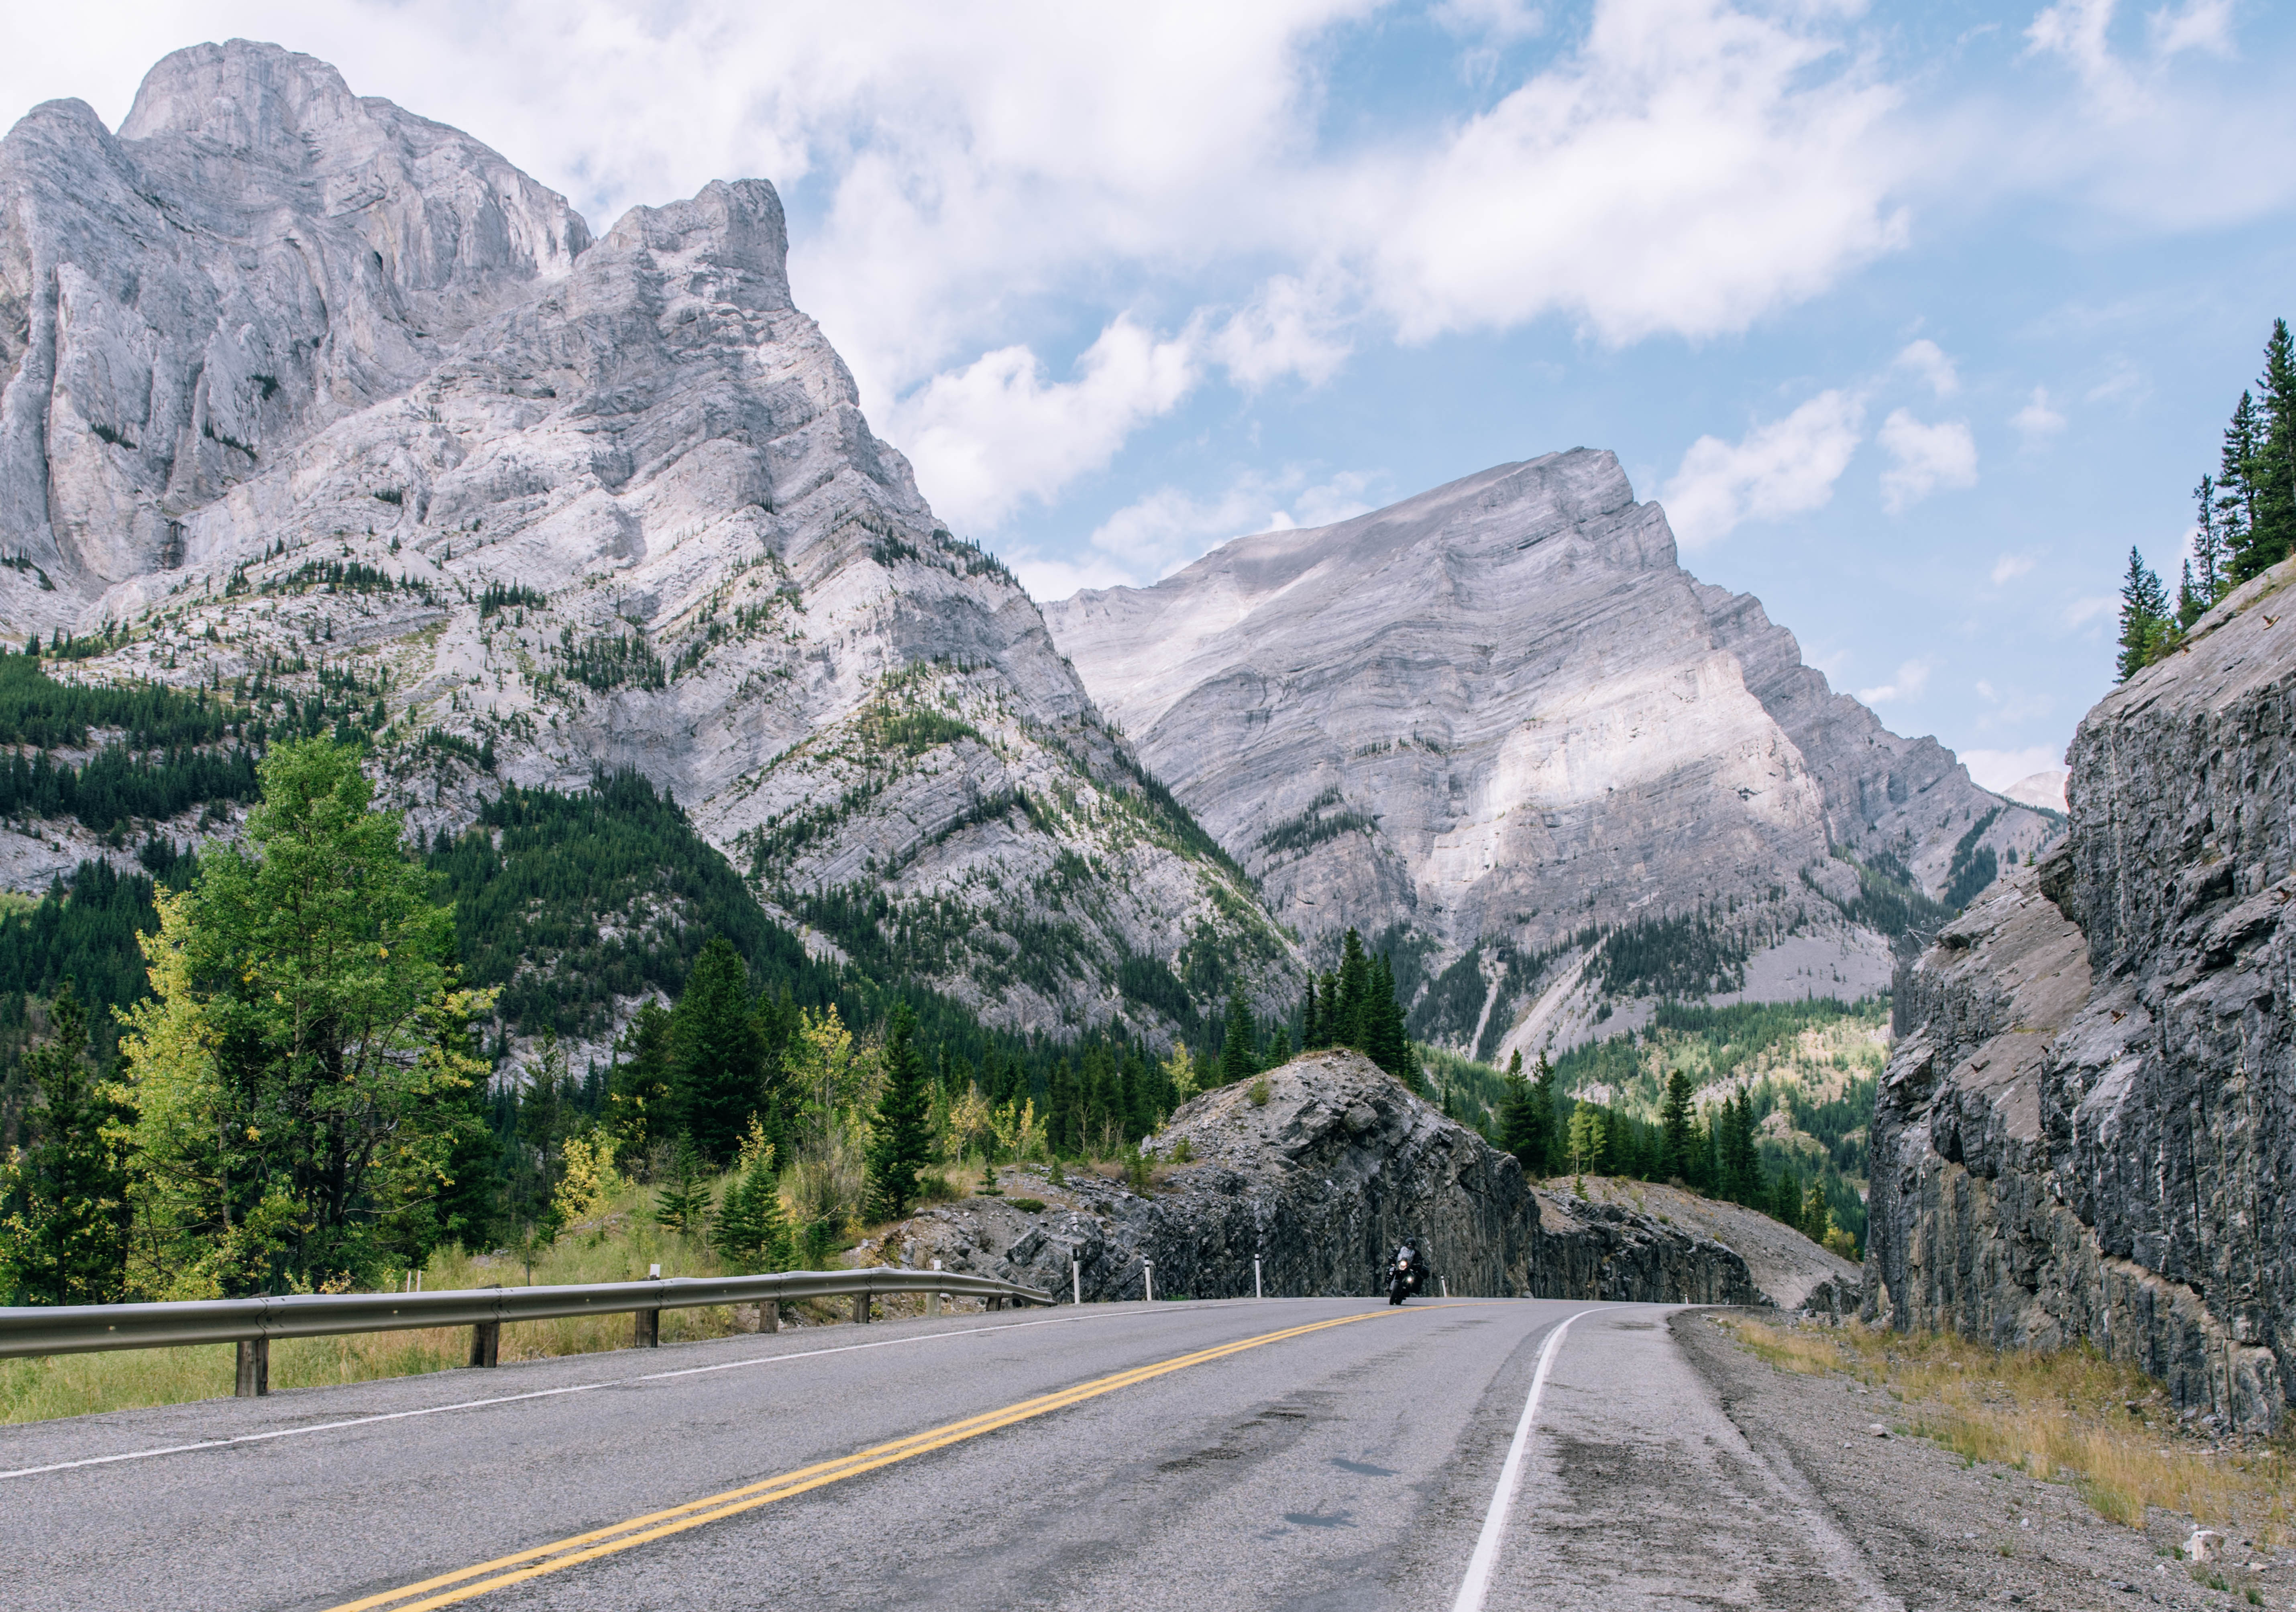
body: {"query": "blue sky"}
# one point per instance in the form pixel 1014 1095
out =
pixel 1915 317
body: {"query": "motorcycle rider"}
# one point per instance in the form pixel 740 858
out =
pixel 1406 1272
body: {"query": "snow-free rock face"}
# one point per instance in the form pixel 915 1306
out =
pixel 1320 1181
pixel 304 387
pixel 2087 1131
pixel 1498 712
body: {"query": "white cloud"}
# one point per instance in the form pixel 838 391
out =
pixel 2197 25
pixel 1928 361
pixel 1927 457
pixel 1686 168
pixel 1996 770
pixel 1049 576
pixel 2080 612
pixel 1157 534
pixel 1780 468
pixel 1294 328
pixel 2008 568
pixel 1913 677
pixel 2037 422
pixel 988 437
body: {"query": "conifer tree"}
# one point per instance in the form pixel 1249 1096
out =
pixel 902 1142
pixel 1817 1214
pixel 2273 471
pixel 2144 617
pixel 1347 1023
pixel 1386 1042
pixel 1678 1128
pixel 64 1208
pixel 638 1108
pixel 1311 1029
pixel 681 1202
pixel 1236 1060
pixel 2236 490
pixel 1543 1091
pixel 750 1231
pixel 2207 548
pixel 717 1072
pixel 1522 1132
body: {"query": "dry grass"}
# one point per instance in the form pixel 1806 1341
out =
pixel 617 1248
pixel 2070 1415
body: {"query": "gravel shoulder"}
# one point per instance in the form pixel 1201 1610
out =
pixel 1942 1534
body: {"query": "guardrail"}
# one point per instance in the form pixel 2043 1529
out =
pixel 252 1324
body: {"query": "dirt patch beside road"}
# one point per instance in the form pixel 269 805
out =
pixel 1945 1532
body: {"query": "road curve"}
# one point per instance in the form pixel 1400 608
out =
pixel 1297 1452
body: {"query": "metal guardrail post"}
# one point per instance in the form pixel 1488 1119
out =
pixel 861 1308
pixel 254 1376
pixel 769 1315
pixel 486 1343
pixel 647 1334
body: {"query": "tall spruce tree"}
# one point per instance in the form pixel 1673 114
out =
pixel 64 1205
pixel 1311 1029
pixel 1347 1026
pixel 639 1111
pixel 902 1142
pixel 2236 466
pixel 717 1071
pixel 1678 1128
pixel 1523 1129
pixel 1386 1042
pixel 1237 1061
pixel 2273 473
pixel 2144 617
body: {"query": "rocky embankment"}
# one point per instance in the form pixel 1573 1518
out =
pixel 1319 1183
pixel 2087 1131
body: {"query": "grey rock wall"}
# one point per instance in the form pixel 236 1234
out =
pixel 2087 1131
pixel 1321 1183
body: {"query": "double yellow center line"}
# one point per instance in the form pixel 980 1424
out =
pixel 503 1571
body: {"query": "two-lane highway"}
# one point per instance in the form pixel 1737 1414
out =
pixel 1332 1454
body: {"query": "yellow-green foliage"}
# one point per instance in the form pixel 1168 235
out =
pixel 2060 1414
pixel 624 1242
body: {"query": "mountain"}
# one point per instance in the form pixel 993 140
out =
pixel 330 411
pixel 1499 728
pixel 2084 1133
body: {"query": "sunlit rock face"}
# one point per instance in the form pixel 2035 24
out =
pixel 1499 713
pixel 604 503
pixel 2088 1125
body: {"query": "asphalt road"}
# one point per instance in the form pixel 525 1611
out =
pixel 1116 1455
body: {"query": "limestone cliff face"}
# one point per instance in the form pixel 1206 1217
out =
pixel 1500 712
pixel 2088 1128
pixel 301 385
pixel 1320 1182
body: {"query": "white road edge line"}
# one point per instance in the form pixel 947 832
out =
pixel 506 1399
pixel 1478 1582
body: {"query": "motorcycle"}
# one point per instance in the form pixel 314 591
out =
pixel 1404 1277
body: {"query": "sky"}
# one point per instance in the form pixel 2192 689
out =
pixel 1916 318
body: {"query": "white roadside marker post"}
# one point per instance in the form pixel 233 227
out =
pixel 1255 1278
pixel 1076 1279
pixel 1148 1278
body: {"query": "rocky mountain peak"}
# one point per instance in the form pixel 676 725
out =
pixel 727 244
pixel 256 103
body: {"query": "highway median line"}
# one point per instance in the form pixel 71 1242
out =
pixel 505 1571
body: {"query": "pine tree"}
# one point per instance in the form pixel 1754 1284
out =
pixel 2236 467
pixel 1347 1024
pixel 1521 1133
pixel 1785 1204
pixel 1061 1122
pixel 1678 1127
pixel 2208 547
pixel 2144 617
pixel 1817 1214
pixel 717 1072
pixel 681 1202
pixel 2273 472
pixel 1545 1118
pixel 1311 1028
pixel 1237 1060
pixel 1387 1043
pixel 64 1205
pixel 902 1142
pixel 637 1086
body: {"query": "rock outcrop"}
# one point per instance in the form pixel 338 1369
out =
pixel 1499 713
pixel 2087 1131
pixel 311 392
pixel 1319 1183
